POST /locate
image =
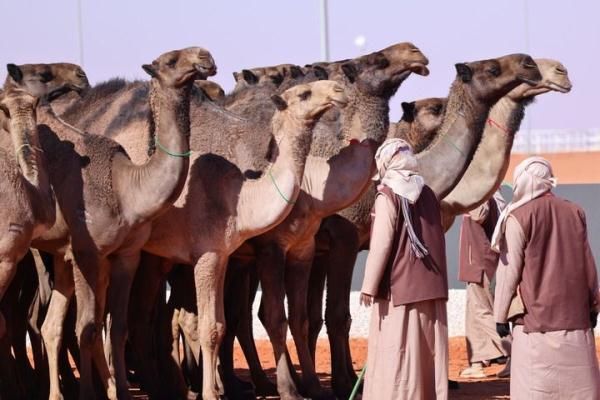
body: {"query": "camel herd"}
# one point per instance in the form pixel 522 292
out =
pixel 111 191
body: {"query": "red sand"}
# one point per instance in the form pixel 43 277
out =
pixel 490 388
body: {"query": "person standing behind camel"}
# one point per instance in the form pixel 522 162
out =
pixel 546 257
pixel 476 267
pixel 406 275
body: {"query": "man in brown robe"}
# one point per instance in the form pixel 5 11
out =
pixel 546 257
pixel 406 274
pixel 477 266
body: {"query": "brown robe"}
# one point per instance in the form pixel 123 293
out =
pixel 546 254
pixel 477 266
pixel 408 337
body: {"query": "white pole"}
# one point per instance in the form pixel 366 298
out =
pixel 80 32
pixel 526 25
pixel 324 32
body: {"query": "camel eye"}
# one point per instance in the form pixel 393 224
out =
pixel 46 76
pixel 494 71
pixel 171 63
pixel 305 95
pixel 80 73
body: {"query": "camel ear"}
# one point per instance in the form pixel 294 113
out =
pixel 350 71
pixel 236 76
pixel 15 72
pixel 249 77
pixel 408 111
pixel 150 70
pixel 296 72
pixel 378 60
pixel 277 79
pixel 280 103
pixel 320 73
pixel 464 72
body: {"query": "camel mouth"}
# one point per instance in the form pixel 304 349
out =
pixel 339 102
pixel 528 81
pixel 419 69
pixel 205 70
pixel 558 87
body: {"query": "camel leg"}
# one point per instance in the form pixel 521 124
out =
pixel 316 288
pixel 263 386
pixel 8 268
pixel 91 275
pixel 343 249
pixel 236 279
pixel 270 262
pixel 52 328
pixel 209 276
pixel 297 277
pixel 122 273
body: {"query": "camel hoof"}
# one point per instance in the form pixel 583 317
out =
pixel 290 396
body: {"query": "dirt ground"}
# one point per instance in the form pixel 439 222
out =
pixel 489 388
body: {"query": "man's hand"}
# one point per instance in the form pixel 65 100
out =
pixel 503 329
pixel 366 300
pixel 593 319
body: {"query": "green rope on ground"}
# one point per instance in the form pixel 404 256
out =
pixel 357 384
pixel 164 149
pixel 279 190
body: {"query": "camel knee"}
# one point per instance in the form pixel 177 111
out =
pixel 299 325
pixel 87 334
pixel 211 336
pixel 338 322
pixel 275 325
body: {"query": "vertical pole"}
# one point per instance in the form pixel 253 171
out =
pixel 80 32
pixel 526 26
pixel 324 32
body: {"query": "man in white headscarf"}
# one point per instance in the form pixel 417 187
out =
pixel 546 259
pixel 406 275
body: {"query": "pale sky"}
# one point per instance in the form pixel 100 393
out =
pixel 120 35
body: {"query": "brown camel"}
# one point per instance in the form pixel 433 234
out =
pixel 273 76
pixel 427 113
pixel 27 211
pixel 53 82
pixel 336 174
pixel 490 162
pixel 211 89
pixel 218 211
pixel 104 201
pixel 478 85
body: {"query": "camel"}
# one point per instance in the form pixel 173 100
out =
pixel 477 86
pixel 490 162
pixel 426 112
pixel 216 213
pixel 371 80
pixel 105 202
pixel 211 89
pixel 61 83
pixel 273 76
pixel 27 208
pixel 53 82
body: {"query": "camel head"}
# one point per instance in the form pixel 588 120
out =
pixel 489 80
pixel 381 73
pixel 309 101
pixel 211 89
pixel 179 68
pixel 273 75
pixel 47 80
pixel 554 78
pixel 426 113
pixel 16 103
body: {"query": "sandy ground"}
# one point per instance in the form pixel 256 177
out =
pixel 489 388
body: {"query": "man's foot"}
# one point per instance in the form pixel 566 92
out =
pixel 499 360
pixel 505 373
pixel 475 371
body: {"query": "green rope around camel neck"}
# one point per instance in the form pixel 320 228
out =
pixel 167 151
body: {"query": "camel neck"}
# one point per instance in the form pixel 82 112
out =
pixel 444 161
pixel 490 162
pixel 278 188
pixel 27 148
pixel 150 188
